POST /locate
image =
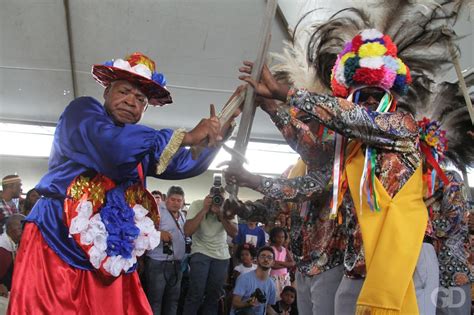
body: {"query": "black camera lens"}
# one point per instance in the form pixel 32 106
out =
pixel 168 248
pixel 217 200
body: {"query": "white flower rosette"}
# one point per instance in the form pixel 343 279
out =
pixel 93 233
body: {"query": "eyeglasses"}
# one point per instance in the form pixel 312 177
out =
pixel 269 257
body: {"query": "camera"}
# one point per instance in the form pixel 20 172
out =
pixel 217 190
pixel 168 248
pixel 259 296
pixel 188 242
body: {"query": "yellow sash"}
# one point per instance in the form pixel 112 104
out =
pixel 392 241
pixel 299 169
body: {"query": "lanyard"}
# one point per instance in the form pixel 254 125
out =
pixel 177 223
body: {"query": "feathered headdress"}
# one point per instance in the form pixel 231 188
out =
pixel 418 30
pixel 421 33
pixel 292 67
pixel 444 103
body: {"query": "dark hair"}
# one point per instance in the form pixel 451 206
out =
pixel 27 206
pixel 266 248
pixel 157 192
pixel 275 231
pixel 175 190
pixel 289 289
pixel 6 180
pixel 246 246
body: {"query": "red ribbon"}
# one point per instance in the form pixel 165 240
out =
pixel 140 173
pixel 425 149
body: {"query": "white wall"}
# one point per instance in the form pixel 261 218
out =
pixel 32 169
pixel 29 169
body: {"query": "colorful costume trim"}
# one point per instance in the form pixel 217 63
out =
pixel 110 223
pixel 170 150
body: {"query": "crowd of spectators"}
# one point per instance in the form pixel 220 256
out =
pixel 208 260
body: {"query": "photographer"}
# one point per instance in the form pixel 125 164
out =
pixel 254 291
pixel 209 227
pixel 163 264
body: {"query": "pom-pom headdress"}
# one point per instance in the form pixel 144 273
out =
pixel 139 70
pixel 419 32
pixel 370 59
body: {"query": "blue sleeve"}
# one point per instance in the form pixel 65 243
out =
pixel 88 136
pixel 183 166
pixel 238 238
pixel 271 294
pixel 241 286
pixel 261 238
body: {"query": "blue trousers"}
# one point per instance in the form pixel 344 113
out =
pixel 163 280
pixel 206 279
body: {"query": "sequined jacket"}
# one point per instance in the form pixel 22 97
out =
pixel 395 139
pixel 317 242
pixel 450 217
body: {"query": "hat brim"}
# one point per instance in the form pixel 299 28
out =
pixel 156 94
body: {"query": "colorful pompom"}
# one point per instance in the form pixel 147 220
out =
pixel 338 89
pixel 370 34
pixel 370 59
pixel 371 62
pixel 372 50
pixel 356 43
pixel 159 78
pixel 391 47
pixel 368 76
pixel 351 65
pixel 388 78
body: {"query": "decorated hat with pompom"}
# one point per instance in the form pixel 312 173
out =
pixel 139 70
pixel 370 59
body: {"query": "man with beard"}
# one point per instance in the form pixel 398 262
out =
pixel 254 291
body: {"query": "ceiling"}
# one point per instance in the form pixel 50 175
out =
pixel 197 44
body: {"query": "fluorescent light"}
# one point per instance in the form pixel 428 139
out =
pixel 26 140
pixel 263 158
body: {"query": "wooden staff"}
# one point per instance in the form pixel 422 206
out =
pixel 461 81
pixel 248 112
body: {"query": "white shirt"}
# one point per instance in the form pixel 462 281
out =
pixel 242 269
